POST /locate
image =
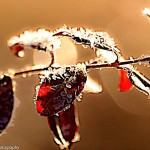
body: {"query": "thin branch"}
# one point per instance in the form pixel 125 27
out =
pixel 32 71
pixel 116 64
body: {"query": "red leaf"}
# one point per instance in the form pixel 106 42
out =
pixel 67 123
pixel 124 83
pixel 6 101
pixel 59 89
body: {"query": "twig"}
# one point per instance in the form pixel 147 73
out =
pixel 116 64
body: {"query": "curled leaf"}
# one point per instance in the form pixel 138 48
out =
pixel 65 127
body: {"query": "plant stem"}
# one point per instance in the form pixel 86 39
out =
pixel 33 71
pixel 116 64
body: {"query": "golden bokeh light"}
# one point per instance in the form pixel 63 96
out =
pixel 65 55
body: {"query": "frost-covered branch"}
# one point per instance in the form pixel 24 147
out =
pixel 89 66
pixel 60 86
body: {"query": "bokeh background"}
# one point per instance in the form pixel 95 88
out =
pixel 108 121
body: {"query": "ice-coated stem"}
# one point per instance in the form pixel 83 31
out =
pixel 118 64
pixel 89 67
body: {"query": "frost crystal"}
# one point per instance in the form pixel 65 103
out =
pixel 88 37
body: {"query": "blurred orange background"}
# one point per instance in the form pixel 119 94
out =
pixel 109 120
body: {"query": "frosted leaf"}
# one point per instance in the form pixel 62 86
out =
pixel 40 39
pixel 49 41
pixel 138 80
pixel 53 94
pixel 89 37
